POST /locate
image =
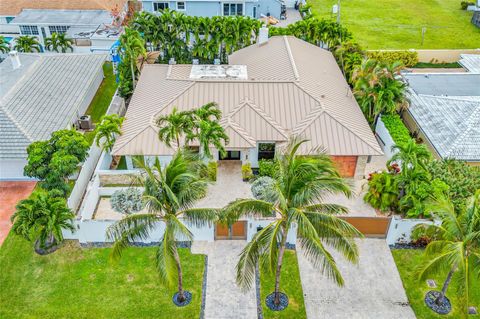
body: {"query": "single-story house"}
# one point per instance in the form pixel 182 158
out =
pixel 210 8
pixel 445 113
pixel 40 94
pixel 268 92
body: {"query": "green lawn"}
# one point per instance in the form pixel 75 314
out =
pixel 397 24
pixel 99 105
pixel 407 260
pixel 83 283
pixel 290 284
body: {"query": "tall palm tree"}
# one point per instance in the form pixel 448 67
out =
pixel 169 195
pixel 174 125
pixel 41 218
pixel 26 43
pixel 133 46
pixel 58 42
pixel 458 247
pixel 212 133
pixel 4 48
pixel 107 131
pixel 411 155
pixel 296 195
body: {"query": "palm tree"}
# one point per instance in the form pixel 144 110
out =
pixel 169 195
pixel 295 196
pixel 107 131
pixel 4 48
pixel 41 218
pixel 58 42
pixel 378 88
pixel 174 125
pixel 458 248
pixel 411 156
pixel 133 46
pixel 25 43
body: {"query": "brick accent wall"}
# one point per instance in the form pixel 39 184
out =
pixel 346 165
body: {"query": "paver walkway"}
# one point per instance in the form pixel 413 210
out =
pixel 373 288
pixel 224 299
pixel 10 194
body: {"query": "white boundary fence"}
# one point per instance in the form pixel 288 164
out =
pixel 400 229
pixel 384 137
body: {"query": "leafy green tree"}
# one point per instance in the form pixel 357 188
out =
pixel 4 48
pixel 172 126
pixel 59 42
pixel 458 249
pixel 378 88
pixel 52 161
pixel 132 46
pixel 41 218
pixel 106 132
pixel 382 191
pixel 27 44
pixel 169 195
pixel 296 197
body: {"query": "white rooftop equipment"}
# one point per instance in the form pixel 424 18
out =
pixel 203 71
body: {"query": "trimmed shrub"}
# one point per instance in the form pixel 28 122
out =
pixel 397 129
pixel 247 173
pixel 382 191
pixel 266 168
pixel 464 4
pixel 127 201
pixel 261 188
pixel 408 58
pixel 212 171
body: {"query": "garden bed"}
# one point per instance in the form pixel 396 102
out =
pixel 74 282
pixel 407 260
pixel 290 284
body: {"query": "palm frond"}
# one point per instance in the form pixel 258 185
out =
pixel 200 217
pixel 165 258
pixel 246 207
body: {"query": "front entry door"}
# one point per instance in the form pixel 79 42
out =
pixel 231 155
pixel 237 231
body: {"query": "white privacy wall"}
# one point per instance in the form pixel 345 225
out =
pixel 400 230
pixel 386 141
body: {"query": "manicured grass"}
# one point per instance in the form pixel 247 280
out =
pixel 424 65
pixel 290 284
pixel 407 261
pixel 99 105
pixel 75 282
pixel 397 24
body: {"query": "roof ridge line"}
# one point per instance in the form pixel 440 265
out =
pixel 124 143
pixel 348 129
pixel 290 56
pixel 270 120
pixel 308 120
pixel 173 99
pixel 244 134
pixel 14 121
pixel 453 98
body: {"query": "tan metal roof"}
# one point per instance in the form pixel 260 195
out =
pixel 292 88
pixel 14 7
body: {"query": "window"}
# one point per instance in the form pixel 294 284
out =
pixel 266 151
pixel 157 6
pixel 254 13
pixel 9 19
pixel 29 30
pixel 232 9
pixel 181 6
pixel 60 29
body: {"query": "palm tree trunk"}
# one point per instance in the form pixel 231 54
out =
pixel 133 71
pixel 445 286
pixel 279 267
pixel 181 295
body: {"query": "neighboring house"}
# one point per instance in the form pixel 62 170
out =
pixel 40 94
pixel 267 93
pixel 210 8
pixel 445 113
pixel 41 18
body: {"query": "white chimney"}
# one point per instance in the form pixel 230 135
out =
pixel 263 35
pixel 15 59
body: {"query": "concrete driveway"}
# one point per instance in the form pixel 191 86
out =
pixel 10 194
pixel 373 288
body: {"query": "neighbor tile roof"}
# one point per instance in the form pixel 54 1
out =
pixel 14 7
pixel 43 96
pixel 293 87
pixel 63 17
pixel 471 62
pixel 451 124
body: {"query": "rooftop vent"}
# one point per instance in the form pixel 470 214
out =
pixel 238 72
pixel 15 59
pixel 263 35
pixel 172 61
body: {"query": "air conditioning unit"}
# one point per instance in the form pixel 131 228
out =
pixel 85 122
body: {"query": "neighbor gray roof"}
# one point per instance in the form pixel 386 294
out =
pixel 444 84
pixel 451 124
pixel 292 87
pixel 42 96
pixel 63 17
pixel 471 62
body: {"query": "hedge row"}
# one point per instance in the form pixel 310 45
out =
pixel 398 131
pixel 408 58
